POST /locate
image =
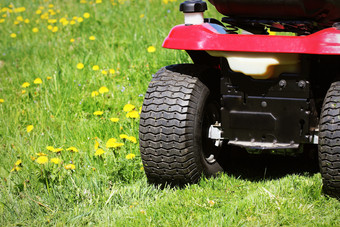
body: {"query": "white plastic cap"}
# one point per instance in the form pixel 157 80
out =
pixel 193 18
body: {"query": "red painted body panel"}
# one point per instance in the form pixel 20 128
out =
pixel 205 37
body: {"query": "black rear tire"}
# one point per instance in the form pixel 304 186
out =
pixel 329 141
pixel 176 112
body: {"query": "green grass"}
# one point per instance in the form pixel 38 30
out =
pixel 111 189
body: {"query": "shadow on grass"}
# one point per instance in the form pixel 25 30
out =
pixel 264 166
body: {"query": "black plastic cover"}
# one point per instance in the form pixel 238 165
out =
pixel 193 6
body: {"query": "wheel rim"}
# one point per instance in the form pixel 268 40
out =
pixel 210 116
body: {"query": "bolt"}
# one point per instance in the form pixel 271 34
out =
pixel 264 104
pixel 282 83
pixel 302 84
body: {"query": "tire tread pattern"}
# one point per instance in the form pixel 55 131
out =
pixel 329 141
pixel 167 125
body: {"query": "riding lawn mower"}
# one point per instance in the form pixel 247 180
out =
pixel 246 88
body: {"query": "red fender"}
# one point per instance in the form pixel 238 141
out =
pixel 206 37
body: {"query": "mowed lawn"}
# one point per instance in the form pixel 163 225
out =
pixel 73 75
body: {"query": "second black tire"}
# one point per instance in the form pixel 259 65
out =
pixel 329 141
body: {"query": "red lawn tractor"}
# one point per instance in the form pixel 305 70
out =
pixel 246 88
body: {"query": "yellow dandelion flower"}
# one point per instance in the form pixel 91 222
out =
pixel 37 81
pixel 86 15
pixel 2 20
pixel 61 20
pixel 13 35
pixel 94 93
pixel 44 16
pixel 98 1
pixel 52 21
pixel 74 18
pixel 143 212
pixel 55 29
pixel 18 162
pixel 35 30
pixel 128 107
pixel 29 128
pixel 41 154
pixel 38 12
pixel 104 72
pixel 95 67
pixel 19 10
pixel 33 158
pixel 71 40
pixel 72 22
pixel 112 71
pixel 165 1
pixel 117 145
pixel 50 6
pixel 16 168
pixel 132 139
pixel 20 18
pixel 140 110
pixel 55 160
pixel 132 114
pixel 16 22
pixel 50 148
pixel 25 85
pixel 96 145
pixel 42 160
pixel 72 149
pixel 111 142
pixel 58 150
pixel 98 113
pixel 49 27
pixel 151 49
pixel 70 167
pixel 99 152
pixel 123 136
pixel 83 1
pixel 80 66
pixel 211 202
pixel 49 77
pixel 103 90
pixel 130 156
pixel 141 16
pixel 26 21
pixel 23 91
pixel 2 100
pixel 65 22
pixel 80 19
pixel 114 119
pixel 92 37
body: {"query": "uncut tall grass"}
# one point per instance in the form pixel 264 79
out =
pixel 111 188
